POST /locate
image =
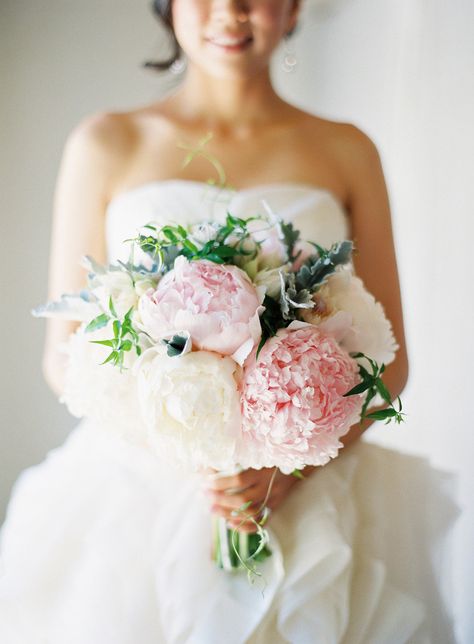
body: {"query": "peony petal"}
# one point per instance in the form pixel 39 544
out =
pixel 337 326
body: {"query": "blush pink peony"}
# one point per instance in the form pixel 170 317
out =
pixel 217 304
pixel 293 409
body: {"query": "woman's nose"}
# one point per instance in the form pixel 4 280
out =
pixel 230 10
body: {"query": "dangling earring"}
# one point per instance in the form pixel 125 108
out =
pixel 289 61
pixel 178 66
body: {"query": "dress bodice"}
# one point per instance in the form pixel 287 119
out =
pixel 316 212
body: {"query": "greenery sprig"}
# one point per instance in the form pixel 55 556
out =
pixel 125 337
pixel 167 242
pixel 373 384
pixel 257 543
pixel 200 151
pixel 318 268
pixel 290 237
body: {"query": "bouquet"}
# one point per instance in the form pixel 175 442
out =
pixel 229 345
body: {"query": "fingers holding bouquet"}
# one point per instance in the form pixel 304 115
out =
pixel 247 499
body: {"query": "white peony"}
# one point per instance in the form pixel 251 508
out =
pixel 201 234
pixel 191 406
pixel 119 286
pixel 248 262
pixel 348 311
pixel 101 392
pixel 269 278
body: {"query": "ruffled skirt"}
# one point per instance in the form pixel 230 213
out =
pixel 105 544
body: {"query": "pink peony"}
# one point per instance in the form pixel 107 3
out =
pixel 217 304
pixel 293 409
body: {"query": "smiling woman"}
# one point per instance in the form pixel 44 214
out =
pixel 230 42
pixel 122 539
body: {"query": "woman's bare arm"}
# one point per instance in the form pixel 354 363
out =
pixel 88 168
pixel 374 257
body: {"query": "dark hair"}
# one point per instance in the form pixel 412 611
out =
pixel 162 10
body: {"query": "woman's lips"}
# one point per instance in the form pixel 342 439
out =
pixel 230 43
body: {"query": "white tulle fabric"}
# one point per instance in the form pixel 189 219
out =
pixel 106 544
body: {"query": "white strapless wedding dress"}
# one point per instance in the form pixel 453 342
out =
pixel 105 544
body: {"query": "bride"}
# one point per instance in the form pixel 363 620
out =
pixel 105 544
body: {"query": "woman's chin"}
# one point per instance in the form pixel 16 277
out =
pixel 232 67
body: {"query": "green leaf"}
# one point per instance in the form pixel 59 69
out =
pixel 212 257
pixel 317 269
pixel 116 327
pixel 298 474
pixel 383 391
pixel 175 346
pixel 235 221
pixel 370 395
pixel 226 251
pixel 112 308
pixel 112 356
pixel 382 414
pixel 399 418
pixel 290 237
pixel 126 345
pixel 134 334
pixel 358 389
pixel 97 323
pixel 207 248
pixel 169 233
pixel 128 315
pixel 365 375
pixel 374 365
pixel 190 246
pixel 105 343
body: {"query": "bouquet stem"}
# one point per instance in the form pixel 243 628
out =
pixel 234 550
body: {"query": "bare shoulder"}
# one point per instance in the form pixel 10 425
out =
pixel 356 151
pixel 347 140
pixel 108 142
pixel 104 134
pixel 123 132
pixel 342 154
pixel 357 159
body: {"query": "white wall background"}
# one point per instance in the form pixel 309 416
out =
pixel 400 69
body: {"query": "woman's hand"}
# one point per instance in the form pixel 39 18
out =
pixel 267 487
